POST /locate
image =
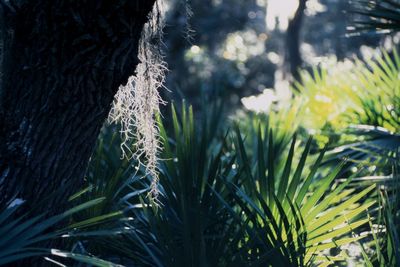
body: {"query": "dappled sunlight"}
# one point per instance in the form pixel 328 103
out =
pixel 240 46
pixel 314 7
pixel 279 12
pixel 276 142
pixel 326 99
pixel 260 103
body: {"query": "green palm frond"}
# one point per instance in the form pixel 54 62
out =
pixel 385 226
pixel 191 226
pixel 377 16
pixel 351 93
pixel 369 125
pixel 23 237
pixel 377 150
pixel 313 214
pixel 236 203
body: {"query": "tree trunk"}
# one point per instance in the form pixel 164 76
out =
pixel 293 40
pixel 63 64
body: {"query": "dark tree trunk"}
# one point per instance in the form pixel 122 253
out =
pixel 293 40
pixel 62 68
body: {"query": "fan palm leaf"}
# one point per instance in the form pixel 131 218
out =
pixel 378 16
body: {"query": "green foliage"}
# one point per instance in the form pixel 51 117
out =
pixel 22 237
pixel 221 206
pixel 381 16
pixel 259 199
pixel 356 106
pixel 96 226
pixel 260 195
pixel 352 93
pixel 375 151
pixel 379 92
pixel 360 109
pixel 385 224
pixel 190 227
pixel 312 214
pixel 362 105
pixel 284 121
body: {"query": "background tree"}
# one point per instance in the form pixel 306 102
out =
pixel 62 64
pixel 293 40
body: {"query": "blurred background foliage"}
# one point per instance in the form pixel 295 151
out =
pixel 240 48
pixel 284 152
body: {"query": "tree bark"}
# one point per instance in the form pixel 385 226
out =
pixel 293 40
pixel 63 65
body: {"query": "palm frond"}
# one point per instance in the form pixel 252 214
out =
pixel 375 16
pixel 22 237
pixel 191 226
pixel 312 213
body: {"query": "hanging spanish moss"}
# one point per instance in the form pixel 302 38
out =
pixel 189 32
pixel 137 103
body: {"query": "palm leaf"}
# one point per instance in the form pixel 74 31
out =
pixel 322 214
pixel 375 16
pixel 28 236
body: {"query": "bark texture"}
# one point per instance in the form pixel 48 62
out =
pixel 63 63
